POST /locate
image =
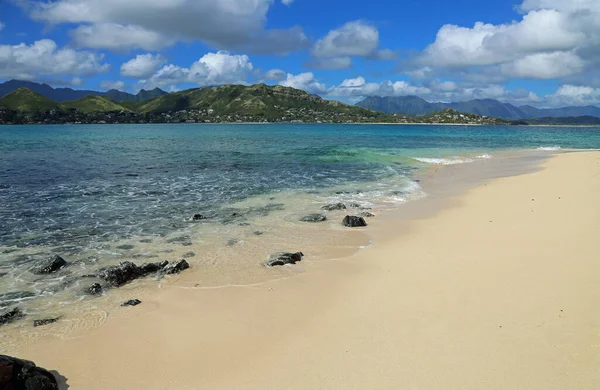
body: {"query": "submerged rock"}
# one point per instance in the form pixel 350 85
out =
pixel 10 315
pixel 175 268
pixel 126 246
pixel 131 302
pixel 146 240
pixel 367 214
pixel 354 205
pixel 283 258
pixel 314 218
pixel 334 206
pixel 187 255
pixel 49 266
pixel 94 289
pixel 198 217
pixel 18 374
pixel 45 321
pixel 3 274
pixel 352 221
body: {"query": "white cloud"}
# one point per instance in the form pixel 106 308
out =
pixel 118 37
pixel 149 24
pixel 143 65
pixel 44 57
pixel 107 85
pixel 574 95
pixel 306 82
pixel 287 2
pixel 554 39
pixel 352 39
pixel 2 25
pixel 212 69
pixel 77 81
pixel 275 75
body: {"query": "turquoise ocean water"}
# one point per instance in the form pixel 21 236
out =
pixel 102 194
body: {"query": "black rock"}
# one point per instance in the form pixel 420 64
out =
pixel 367 214
pixel 10 315
pixel 118 275
pixel 198 217
pixel 131 302
pixel 258 233
pixel 334 206
pixel 149 268
pixel 49 266
pixel 175 268
pixel 18 374
pixel 351 221
pixel 45 321
pixel 146 240
pixel 94 289
pixel 278 259
pixel 314 218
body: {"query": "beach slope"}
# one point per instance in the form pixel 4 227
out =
pixel 499 291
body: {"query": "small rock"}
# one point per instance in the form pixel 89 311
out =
pixel 17 374
pixel 258 233
pixel 178 239
pixel 314 218
pixel 283 258
pixel 334 206
pixel 51 265
pixel 45 321
pixel 10 315
pixel 188 255
pixel 175 268
pixel 149 268
pixel 233 241
pixel 94 289
pixel 118 275
pixel 189 243
pixel 198 217
pixel 146 241
pixel 126 247
pixel 367 214
pixel 352 221
pixel 354 205
pixel 131 302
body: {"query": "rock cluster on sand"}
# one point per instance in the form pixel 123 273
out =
pixel 334 206
pixel 50 266
pixel 283 258
pixel 18 374
pixel 314 218
pixel 353 221
pixel 125 272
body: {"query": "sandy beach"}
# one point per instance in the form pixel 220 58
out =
pixel 497 290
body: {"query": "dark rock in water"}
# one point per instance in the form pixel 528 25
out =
pixel 149 268
pixel 3 274
pixel 146 241
pixel 278 259
pixel 258 233
pixel 49 266
pixel 233 241
pixel 354 205
pixel 131 302
pixel 367 214
pixel 143 256
pixel 45 321
pixel 166 250
pixel 244 224
pixel 188 255
pixel 178 239
pixel 94 289
pixel 118 275
pixel 189 243
pixel 334 206
pixel 10 315
pixel 175 268
pixel 198 217
pixel 351 221
pixel 18 374
pixel 7 298
pixel 314 218
pixel 125 246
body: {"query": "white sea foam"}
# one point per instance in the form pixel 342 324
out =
pixel 484 156
pixel 549 148
pixel 443 161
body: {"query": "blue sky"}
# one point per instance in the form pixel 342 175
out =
pixel 539 52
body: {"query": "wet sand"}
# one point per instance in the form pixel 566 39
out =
pixel 498 289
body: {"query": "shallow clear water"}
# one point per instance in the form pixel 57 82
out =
pixel 102 194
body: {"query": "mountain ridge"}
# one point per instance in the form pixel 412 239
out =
pixel 414 105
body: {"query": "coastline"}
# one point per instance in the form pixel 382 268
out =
pixel 493 304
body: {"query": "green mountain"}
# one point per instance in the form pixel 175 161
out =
pixel 26 101
pixel 260 99
pixel 91 104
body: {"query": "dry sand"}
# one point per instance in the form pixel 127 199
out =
pixel 499 291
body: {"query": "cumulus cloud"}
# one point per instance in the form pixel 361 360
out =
pixel 212 69
pixel 143 65
pixel 107 85
pixel 275 75
pixel 574 95
pixel 554 39
pixel 330 63
pixel 306 82
pixel 287 2
pixel 44 57
pixel 149 24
